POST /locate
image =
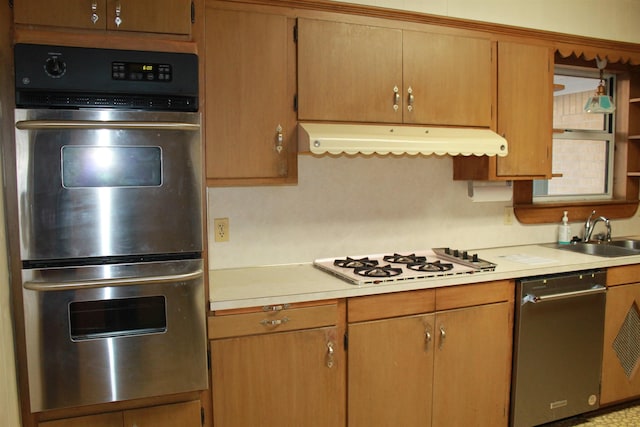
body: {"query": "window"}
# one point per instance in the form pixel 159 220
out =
pixel 583 143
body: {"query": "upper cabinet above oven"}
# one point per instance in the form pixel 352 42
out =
pixel 151 16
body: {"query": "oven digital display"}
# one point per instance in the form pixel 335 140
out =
pixel 117 317
pixel 111 166
pixel 140 71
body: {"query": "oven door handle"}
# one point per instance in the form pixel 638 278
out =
pixel 98 124
pixel 99 283
pixel 538 299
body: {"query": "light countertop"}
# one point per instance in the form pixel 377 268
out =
pixel 289 283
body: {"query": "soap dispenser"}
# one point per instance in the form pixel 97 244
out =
pixel 564 230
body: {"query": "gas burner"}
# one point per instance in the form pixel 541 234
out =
pixel 378 271
pixel 405 259
pixel 355 263
pixel 430 266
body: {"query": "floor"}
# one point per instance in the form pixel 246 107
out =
pixel 623 416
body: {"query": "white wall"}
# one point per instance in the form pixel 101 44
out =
pixel 338 207
pixel 580 17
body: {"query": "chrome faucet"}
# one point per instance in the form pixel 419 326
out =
pixel 589 226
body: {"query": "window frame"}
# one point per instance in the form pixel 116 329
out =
pixel 624 203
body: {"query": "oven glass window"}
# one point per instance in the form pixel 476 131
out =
pixel 117 317
pixel 113 166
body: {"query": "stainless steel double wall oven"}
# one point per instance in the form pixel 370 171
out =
pixel 109 184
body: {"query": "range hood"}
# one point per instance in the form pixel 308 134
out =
pixel 331 138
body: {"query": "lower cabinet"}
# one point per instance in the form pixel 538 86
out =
pixel 448 367
pixel 434 357
pixel 278 366
pixel 185 414
pixel 621 353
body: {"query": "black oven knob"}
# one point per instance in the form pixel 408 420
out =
pixel 55 67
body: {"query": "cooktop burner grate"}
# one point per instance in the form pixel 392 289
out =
pixel 373 269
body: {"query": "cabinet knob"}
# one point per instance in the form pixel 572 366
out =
pixel 443 336
pixel 118 19
pixel 94 12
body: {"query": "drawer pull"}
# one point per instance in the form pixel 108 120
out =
pixel 276 307
pixel 274 322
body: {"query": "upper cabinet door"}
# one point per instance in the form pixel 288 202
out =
pixel 85 14
pixel 149 16
pixel 525 109
pixel 447 79
pixel 152 16
pixel 249 85
pixel 349 72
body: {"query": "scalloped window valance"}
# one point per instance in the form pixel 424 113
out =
pixel 589 53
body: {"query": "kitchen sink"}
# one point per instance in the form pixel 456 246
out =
pixel 626 243
pixel 614 248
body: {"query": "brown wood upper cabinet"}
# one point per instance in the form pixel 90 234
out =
pixel 362 73
pixel 152 16
pixel 525 111
pixel 250 85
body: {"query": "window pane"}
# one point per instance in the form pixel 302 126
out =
pixel 583 165
pixel 568 104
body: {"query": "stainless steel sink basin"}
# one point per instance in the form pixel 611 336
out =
pixel 626 243
pixel 615 248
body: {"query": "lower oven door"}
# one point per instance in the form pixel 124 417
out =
pixel 107 333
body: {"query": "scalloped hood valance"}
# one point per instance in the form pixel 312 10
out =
pixel 331 138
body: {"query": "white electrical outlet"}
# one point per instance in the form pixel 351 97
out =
pixel 221 229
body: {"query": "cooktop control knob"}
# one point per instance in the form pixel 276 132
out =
pixel 456 253
pixel 465 255
pixel 475 258
pixel 55 67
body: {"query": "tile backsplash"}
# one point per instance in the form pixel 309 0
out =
pixel 360 205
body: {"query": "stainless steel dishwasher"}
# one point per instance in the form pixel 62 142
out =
pixel 559 331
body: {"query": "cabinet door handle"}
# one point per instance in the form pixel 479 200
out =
pixel 330 353
pixel 410 99
pixel 94 12
pixel 396 98
pixel 118 19
pixel 427 338
pixel 274 322
pixel 443 336
pixel 279 139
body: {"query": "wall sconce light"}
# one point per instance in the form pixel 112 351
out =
pixel 600 102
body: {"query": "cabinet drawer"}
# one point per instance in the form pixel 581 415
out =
pixel 285 319
pixel 476 294
pixel 383 306
pixel 623 275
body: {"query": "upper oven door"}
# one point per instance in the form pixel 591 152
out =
pixel 108 183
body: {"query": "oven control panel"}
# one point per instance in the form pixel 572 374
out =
pixel 77 77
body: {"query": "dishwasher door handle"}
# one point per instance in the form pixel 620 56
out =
pixel 534 299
